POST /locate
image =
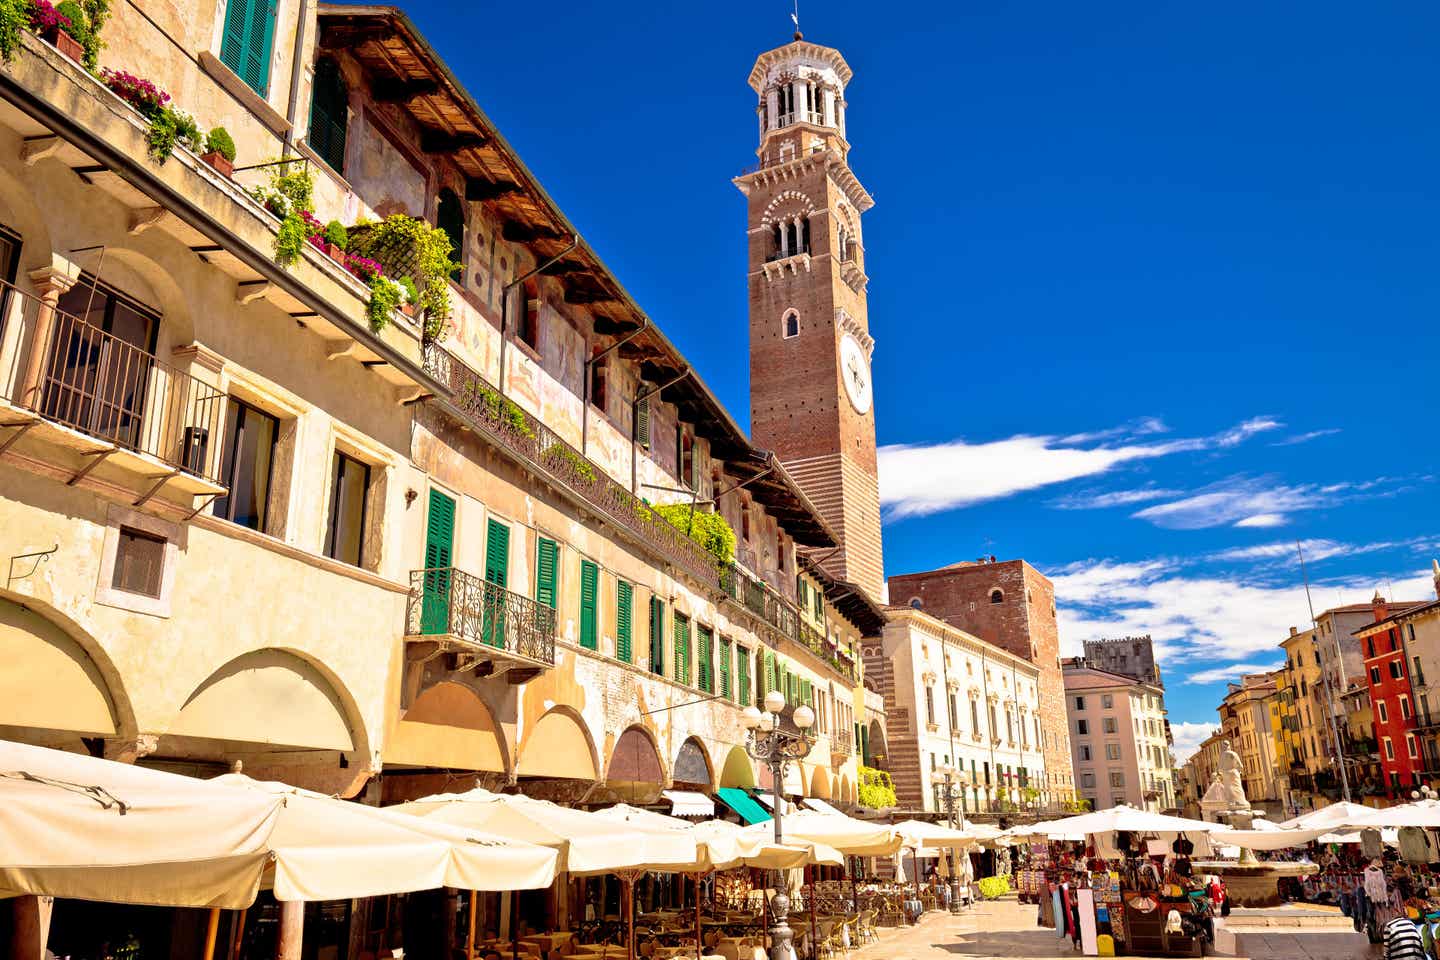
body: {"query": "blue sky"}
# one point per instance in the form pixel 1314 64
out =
pixel 1153 286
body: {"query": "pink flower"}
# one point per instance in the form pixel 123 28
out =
pixel 44 17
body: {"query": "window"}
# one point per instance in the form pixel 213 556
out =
pixel 1117 778
pixel 1380 711
pixel 624 600
pixel 450 217
pixel 930 705
pixel 1110 725
pixel 1389 749
pixel 1397 670
pixel 96 385
pixel 529 330
pixel 1369 647
pixel 725 688
pixel 996 596
pixel 1079 703
pixel 1112 751
pixel 1405 706
pixel 598 381
pixel 684 455
pixel 954 713
pixel 1082 727
pixel 1410 746
pixel 792 325
pixel 1375 675
pixel 139 562
pixel 547 562
pixel 1087 779
pixel 349 491
pixel 742 675
pixel 245 45
pixel 975 717
pixel 589 587
pixel 657 636
pixel 745 521
pixel 681 632
pixel 1107 701
pixel 249 456
pixel 705 652
pixel 329 114
pixel 1084 751
pixel 642 424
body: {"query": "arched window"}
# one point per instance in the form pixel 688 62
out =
pixel 329 114
pixel 792 324
pixel 996 596
pixel 450 217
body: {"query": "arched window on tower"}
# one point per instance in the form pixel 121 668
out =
pixel 450 217
pixel 996 596
pixel 791 324
pixel 843 245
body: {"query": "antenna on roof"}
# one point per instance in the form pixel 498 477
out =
pixel 795 18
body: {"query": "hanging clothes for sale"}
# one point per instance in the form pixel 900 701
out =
pixel 1370 845
pixel 1413 846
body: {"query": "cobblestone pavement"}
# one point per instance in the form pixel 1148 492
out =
pixel 1007 929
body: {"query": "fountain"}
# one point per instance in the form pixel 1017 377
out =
pixel 1248 882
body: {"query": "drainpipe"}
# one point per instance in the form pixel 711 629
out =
pixel 634 404
pixel 296 68
pixel 505 299
pixel 585 391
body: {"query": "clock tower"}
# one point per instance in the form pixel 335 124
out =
pixel 811 398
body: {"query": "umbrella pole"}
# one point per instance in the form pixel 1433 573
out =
pixel 627 880
pixel 237 935
pixel 470 936
pixel 810 902
pixel 292 930
pixel 699 939
pixel 212 930
pixel 915 869
pixel 514 925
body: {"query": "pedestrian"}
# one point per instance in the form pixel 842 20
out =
pixel 1402 940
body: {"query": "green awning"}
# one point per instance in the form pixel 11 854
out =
pixel 743 804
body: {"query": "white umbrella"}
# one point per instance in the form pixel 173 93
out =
pixel 1335 815
pixel 79 827
pixel 846 834
pixel 1421 813
pixel 933 836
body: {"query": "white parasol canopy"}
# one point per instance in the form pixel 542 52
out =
pixel 846 834
pixel 1335 815
pixel 764 853
pixel 1421 813
pixel 933 836
pixel 79 827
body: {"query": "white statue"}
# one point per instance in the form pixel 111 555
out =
pixel 1230 781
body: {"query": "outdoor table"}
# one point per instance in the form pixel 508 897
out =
pixel 547 943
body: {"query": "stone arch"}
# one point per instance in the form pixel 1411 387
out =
pixel 276 697
pixel 20 212
pixel 558 745
pixel 692 764
pixel 449 726
pixel 738 770
pixel 635 758
pixel 788 320
pixel 820 784
pixel 138 273
pixel 56 677
pixel 795 201
pixel 997 595
pixel 876 744
pixel 845 790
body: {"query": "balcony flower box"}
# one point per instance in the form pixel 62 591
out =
pixel 217 160
pixel 66 44
pixel 335 252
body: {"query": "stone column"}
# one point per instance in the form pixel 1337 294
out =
pixel 829 100
pixel 772 108
pixel 50 282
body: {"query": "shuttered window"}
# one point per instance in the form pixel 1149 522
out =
pixel 725 688
pixel 705 642
pixel 246 43
pixel 742 686
pixel 450 217
pixel 547 557
pixel 329 114
pixel 642 423
pixel 624 597
pixel 439 541
pixel 682 649
pixel 768 680
pixel 819 599
pixel 497 572
pixel 657 636
pixel 589 585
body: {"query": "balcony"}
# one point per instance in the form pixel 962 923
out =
pixel 1425 720
pixel 79 398
pixel 842 745
pixel 492 629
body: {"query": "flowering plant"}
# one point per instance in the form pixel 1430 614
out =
pixel 44 17
pixel 363 267
pixel 141 94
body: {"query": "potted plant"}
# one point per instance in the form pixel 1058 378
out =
pixel 335 240
pixel 53 26
pixel 220 151
pixel 412 296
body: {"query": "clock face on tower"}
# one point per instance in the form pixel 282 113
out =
pixel 855 372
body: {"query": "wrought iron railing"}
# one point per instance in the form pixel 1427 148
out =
pixel 72 373
pixel 842 742
pixel 446 601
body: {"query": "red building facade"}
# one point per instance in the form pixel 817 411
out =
pixel 1392 701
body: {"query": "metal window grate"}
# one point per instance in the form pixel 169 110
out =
pixel 139 562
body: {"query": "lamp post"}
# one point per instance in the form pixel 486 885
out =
pixel 954 777
pixel 776 748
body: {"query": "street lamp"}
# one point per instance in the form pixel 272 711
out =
pixel 954 777
pixel 1424 793
pixel 770 744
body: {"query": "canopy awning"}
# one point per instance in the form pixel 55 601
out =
pixel 688 803
pixel 743 804
pixel 820 806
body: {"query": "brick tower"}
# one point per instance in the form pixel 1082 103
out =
pixel 811 399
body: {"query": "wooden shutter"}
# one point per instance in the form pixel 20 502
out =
pixel 246 43
pixel 547 560
pixel 642 423
pixel 725 688
pixel 705 641
pixel 329 114
pixel 497 572
pixel 657 636
pixel 769 677
pixel 624 596
pixel 682 649
pixel 439 544
pixel 742 663
pixel 589 585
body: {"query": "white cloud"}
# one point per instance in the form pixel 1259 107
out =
pixel 921 479
pixel 1188 737
pixel 1145 426
pixel 1114 498
pixel 1305 437
pixel 1232 672
pixel 1317 550
pixel 1263 520
pixel 1197 621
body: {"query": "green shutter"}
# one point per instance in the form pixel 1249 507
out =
pixel 642 424
pixel 725 688
pixel 246 43
pixel 547 559
pixel 682 649
pixel 624 596
pixel 819 598
pixel 657 636
pixel 768 680
pixel 742 663
pixel 329 114
pixel 439 543
pixel 497 572
pixel 705 641
pixel 589 585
